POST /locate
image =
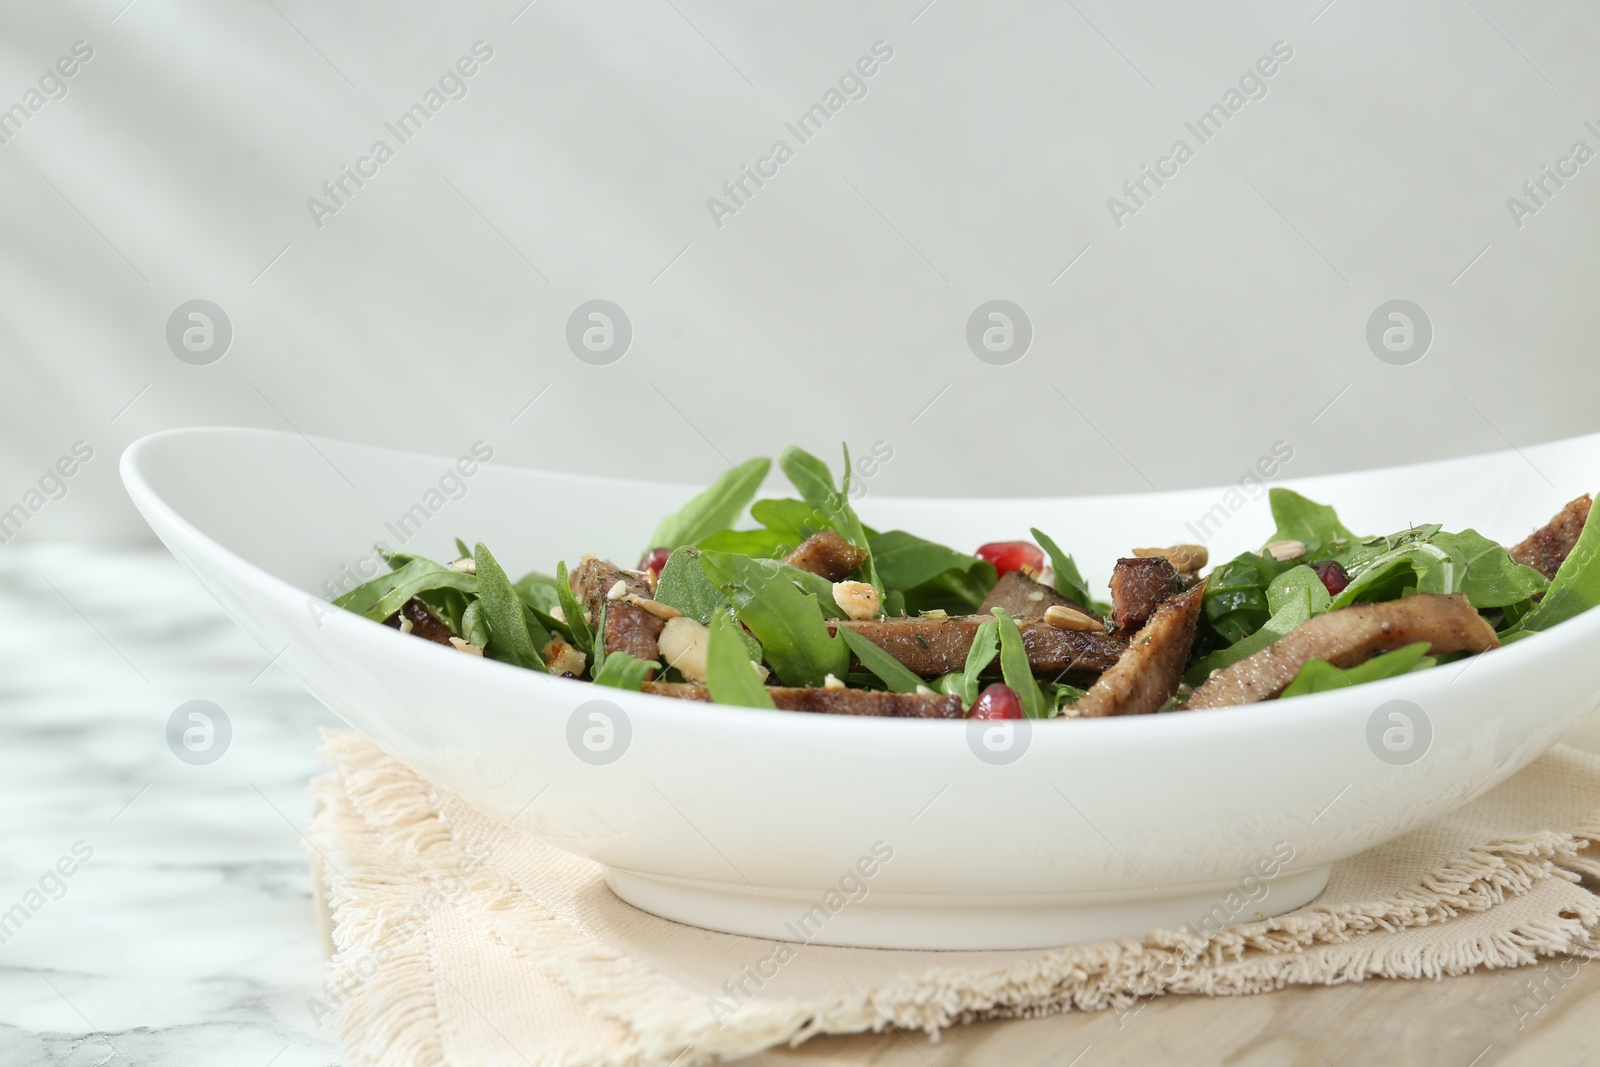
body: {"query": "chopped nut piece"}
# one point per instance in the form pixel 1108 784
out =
pixel 617 591
pixel 1185 559
pixel 683 643
pixel 858 600
pixel 1286 550
pixel 465 646
pixel 923 690
pixel 1037 594
pixel 562 658
pixel 557 614
pixel 1068 619
pixel 761 671
pixel 830 682
pixel 465 565
pixel 654 607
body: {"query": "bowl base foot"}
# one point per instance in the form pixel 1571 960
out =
pixel 905 921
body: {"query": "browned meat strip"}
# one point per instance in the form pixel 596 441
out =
pixel 1547 547
pixel 935 646
pixel 835 701
pixel 827 554
pixel 1347 637
pixel 1138 586
pixel 1021 595
pixel 1149 671
pixel 629 628
pixel 424 623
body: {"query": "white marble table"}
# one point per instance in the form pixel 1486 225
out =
pixel 188 937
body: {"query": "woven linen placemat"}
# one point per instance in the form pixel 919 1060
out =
pixel 456 940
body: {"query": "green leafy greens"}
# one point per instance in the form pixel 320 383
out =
pixel 894 676
pixel 731 674
pixel 1318 675
pixel 787 620
pixel 716 509
pixel 1069 583
pixel 1016 670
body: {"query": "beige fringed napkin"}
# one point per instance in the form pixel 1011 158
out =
pixel 459 941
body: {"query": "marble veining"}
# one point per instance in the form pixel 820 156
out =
pixel 187 936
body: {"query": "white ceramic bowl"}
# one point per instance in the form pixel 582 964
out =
pixel 759 822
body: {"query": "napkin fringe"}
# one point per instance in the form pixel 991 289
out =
pixel 393 1016
pixel 389 1015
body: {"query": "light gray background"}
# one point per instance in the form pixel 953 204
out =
pixel 1228 314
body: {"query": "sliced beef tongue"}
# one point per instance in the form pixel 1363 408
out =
pixel 827 554
pixel 1150 670
pixel 1022 596
pixel 1138 586
pixel 835 701
pixel 629 628
pixel 935 646
pixel 1547 547
pixel 421 622
pixel 1347 637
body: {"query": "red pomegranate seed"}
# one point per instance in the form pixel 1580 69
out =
pixel 998 701
pixel 1008 556
pixel 653 561
pixel 1334 578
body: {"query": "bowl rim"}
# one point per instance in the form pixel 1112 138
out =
pixel 1257 718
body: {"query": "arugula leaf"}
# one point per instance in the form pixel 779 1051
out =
pixel 730 676
pixel 1425 560
pixel 597 660
pixel 462 551
pixel 501 608
pixel 759 543
pixel 388 593
pixel 1293 597
pixel 622 671
pixel 930 575
pixel 964 683
pixel 1069 583
pixel 815 482
pixel 1489 577
pixel 474 627
pixel 578 631
pixel 1315 525
pixel 895 677
pixel 1235 600
pixel 1018 672
pixel 1318 675
pixel 1061 695
pixel 538 590
pixel 985 646
pixel 787 620
pixel 1576 586
pixel 717 508
pixel 684 585
pixel 794 520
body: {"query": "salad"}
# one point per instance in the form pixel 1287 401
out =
pixel 809 609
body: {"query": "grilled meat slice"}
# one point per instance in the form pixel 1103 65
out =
pixel 1347 637
pixel 1546 548
pixel 1021 595
pixel 629 628
pixel 835 701
pixel 827 554
pixel 935 646
pixel 424 623
pixel 1149 671
pixel 1138 586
